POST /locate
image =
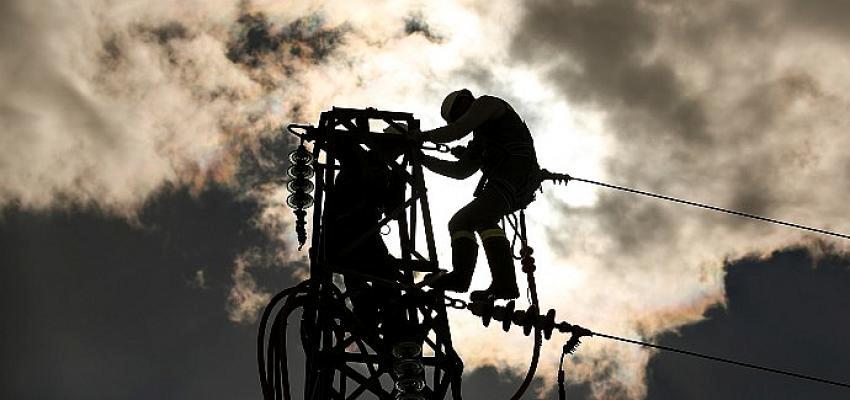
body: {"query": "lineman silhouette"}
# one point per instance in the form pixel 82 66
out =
pixel 503 149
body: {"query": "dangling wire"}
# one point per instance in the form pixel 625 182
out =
pixel 528 267
pixel 272 360
pixel 569 348
pixel 562 390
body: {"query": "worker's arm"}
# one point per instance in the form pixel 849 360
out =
pixel 460 169
pixel 463 168
pixel 482 109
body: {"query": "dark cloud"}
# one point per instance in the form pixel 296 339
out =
pixel 820 15
pixel 597 55
pixel 168 31
pixel 94 307
pixel 787 312
pixel 259 41
pixel 415 23
pixel 163 35
pixel 699 103
pixel 703 103
pixel 264 163
pixel 489 383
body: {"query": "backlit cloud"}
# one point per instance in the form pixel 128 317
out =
pixel 738 104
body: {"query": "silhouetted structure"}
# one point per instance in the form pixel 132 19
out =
pixel 379 334
pixel 376 334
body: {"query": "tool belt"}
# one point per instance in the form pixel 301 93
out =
pixel 518 193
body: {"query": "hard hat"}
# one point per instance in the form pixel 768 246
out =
pixel 455 104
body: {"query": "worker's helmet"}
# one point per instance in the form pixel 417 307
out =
pixel 456 104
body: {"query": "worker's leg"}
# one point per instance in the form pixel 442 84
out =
pixel 480 214
pixel 501 262
pixel 464 253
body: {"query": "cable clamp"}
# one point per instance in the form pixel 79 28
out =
pixel 440 147
pixel 457 304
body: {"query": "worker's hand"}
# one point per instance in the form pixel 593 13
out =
pixel 458 151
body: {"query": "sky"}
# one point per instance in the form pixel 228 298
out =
pixel 142 221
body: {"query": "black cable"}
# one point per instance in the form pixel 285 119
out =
pixel 724 360
pixel 268 366
pixel 701 205
pixel 538 334
pixel 261 362
pixel 562 391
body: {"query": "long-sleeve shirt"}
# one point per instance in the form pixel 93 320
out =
pixel 502 145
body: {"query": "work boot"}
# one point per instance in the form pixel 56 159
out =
pixel 464 255
pixel 501 263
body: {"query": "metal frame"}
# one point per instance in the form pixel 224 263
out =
pixel 344 359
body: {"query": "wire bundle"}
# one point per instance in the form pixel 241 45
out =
pixel 272 359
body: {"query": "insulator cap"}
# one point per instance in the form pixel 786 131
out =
pixel 300 155
pixel 483 309
pixel 408 368
pixel 407 350
pixel 410 385
pixel 300 184
pixel 548 324
pixel 299 200
pixel 304 171
pixel 531 317
pixel 528 264
pixel 507 314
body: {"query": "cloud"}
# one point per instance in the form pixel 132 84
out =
pixel 730 103
pixel 739 104
pixel 800 332
pixel 598 53
pixel 245 299
pixel 128 303
pixel 102 111
pixel 415 23
pixel 104 104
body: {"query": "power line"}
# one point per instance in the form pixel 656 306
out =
pixel 564 177
pixel 724 360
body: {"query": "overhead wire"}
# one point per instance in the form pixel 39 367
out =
pixel 566 178
pixel 724 360
pixel 274 372
pixel 706 206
